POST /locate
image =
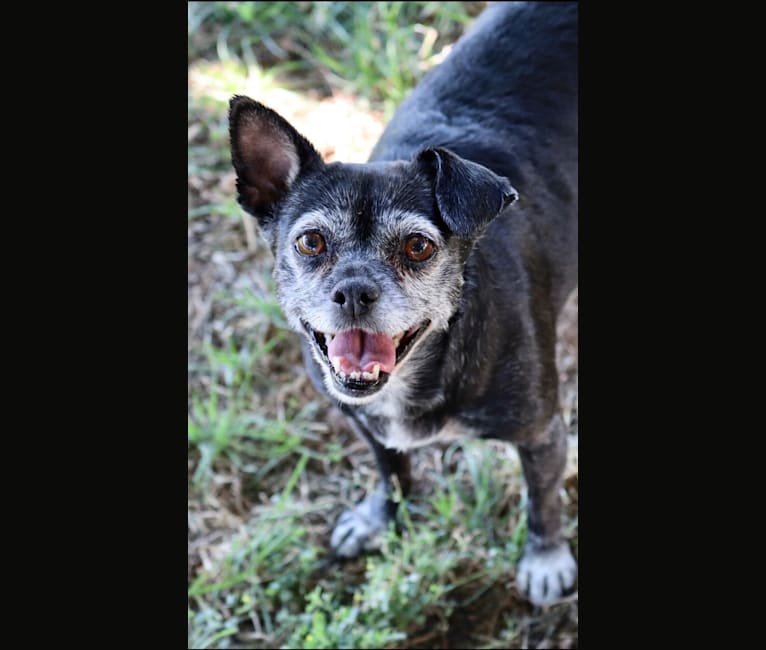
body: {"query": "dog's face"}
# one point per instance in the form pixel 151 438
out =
pixel 363 271
pixel 369 257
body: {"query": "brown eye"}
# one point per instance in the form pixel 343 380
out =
pixel 418 248
pixel 310 244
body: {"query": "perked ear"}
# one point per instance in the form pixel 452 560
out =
pixel 468 195
pixel 268 154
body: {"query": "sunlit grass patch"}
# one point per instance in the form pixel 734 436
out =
pixel 378 50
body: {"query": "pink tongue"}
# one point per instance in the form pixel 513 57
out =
pixel 359 351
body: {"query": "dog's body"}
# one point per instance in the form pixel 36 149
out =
pixel 427 295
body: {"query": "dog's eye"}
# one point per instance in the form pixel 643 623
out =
pixel 310 244
pixel 418 248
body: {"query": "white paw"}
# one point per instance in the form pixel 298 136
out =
pixel 544 576
pixel 357 529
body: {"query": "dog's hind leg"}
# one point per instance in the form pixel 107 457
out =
pixel 357 529
pixel 547 569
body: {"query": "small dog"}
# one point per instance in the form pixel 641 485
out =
pixel 425 285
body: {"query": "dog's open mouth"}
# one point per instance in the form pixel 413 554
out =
pixel 361 362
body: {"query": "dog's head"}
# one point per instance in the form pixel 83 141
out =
pixel 369 257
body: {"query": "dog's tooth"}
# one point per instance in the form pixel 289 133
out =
pixel 328 338
pixel 372 376
pixel 336 364
pixel 397 340
pixel 356 375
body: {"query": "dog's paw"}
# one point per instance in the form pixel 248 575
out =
pixel 357 529
pixel 544 576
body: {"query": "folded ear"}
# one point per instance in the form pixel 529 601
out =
pixel 468 195
pixel 268 154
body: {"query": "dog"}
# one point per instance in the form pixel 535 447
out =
pixel 426 283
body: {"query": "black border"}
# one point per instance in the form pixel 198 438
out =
pixel 102 113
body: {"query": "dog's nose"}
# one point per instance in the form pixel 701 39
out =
pixel 355 297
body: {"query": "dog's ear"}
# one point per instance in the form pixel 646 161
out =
pixel 268 154
pixel 468 195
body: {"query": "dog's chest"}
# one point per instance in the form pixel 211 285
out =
pixel 391 420
pixel 399 435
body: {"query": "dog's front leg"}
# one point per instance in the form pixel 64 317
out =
pixel 547 568
pixel 358 528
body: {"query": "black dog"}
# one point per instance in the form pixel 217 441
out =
pixel 426 293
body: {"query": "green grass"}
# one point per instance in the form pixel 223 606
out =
pixel 270 464
pixel 421 582
pixel 377 50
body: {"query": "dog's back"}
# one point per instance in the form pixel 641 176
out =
pixel 506 97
